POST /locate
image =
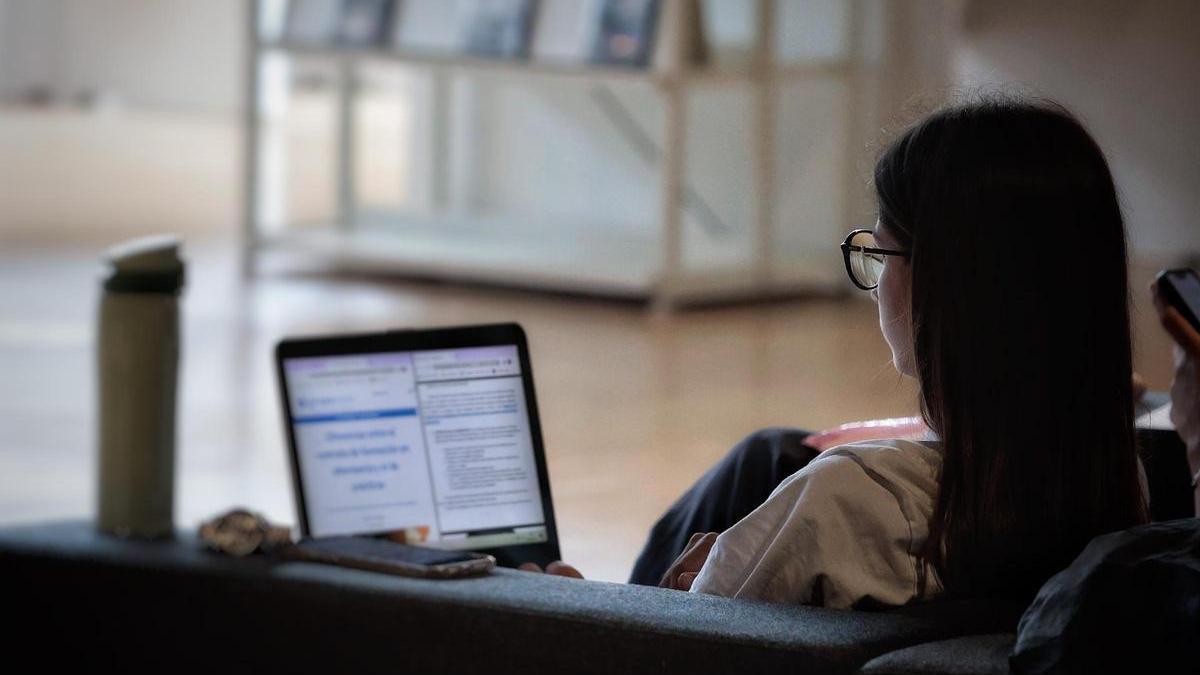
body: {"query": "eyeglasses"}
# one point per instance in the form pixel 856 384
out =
pixel 864 261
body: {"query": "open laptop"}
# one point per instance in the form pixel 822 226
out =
pixel 429 437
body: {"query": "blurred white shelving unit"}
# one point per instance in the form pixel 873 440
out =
pixel 451 246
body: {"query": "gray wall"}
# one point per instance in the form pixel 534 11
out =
pixel 28 59
pixel 1131 70
pixel 158 53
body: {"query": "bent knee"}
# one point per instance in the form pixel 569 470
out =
pixel 767 446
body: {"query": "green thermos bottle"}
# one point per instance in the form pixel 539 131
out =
pixel 138 361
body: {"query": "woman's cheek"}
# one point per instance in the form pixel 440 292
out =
pixel 894 318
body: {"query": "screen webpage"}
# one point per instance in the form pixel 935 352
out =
pixel 432 447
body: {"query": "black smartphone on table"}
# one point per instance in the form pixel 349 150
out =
pixel 380 555
pixel 1180 288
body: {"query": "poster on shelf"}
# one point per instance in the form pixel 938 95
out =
pixel 312 22
pixel 496 28
pixel 426 26
pixel 625 32
pixel 364 23
pixel 564 31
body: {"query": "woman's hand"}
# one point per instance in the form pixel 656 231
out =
pixel 683 571
pixel 1185 387
pixel 557 568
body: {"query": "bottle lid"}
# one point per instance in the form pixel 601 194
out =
pixel 145 265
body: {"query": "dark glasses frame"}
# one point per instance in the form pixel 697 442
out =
pixel 847 248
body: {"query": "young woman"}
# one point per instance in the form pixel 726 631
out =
pixel 999 266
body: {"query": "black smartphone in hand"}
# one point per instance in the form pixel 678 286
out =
pixel 1180 288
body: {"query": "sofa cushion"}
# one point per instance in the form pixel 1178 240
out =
pixel 972 655
pixel 173 603
pixel 1130 601
pixel 972 616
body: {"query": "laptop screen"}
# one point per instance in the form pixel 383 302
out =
pixel 433 447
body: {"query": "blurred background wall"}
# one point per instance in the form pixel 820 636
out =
pixel 1129 69
pixel 1125 67
pixel 156 53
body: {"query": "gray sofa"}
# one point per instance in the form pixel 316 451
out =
pixel 173 605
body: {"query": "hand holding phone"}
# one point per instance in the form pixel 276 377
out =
pixel 1180 290
pixel 1177 298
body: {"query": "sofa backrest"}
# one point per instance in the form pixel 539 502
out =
pixel 170 604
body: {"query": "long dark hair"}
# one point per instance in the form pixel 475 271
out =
pixel 1020 314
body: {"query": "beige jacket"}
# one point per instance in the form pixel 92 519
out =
pixel 843 531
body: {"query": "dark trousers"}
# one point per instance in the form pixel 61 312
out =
pixel 746 476
pixel 729 491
